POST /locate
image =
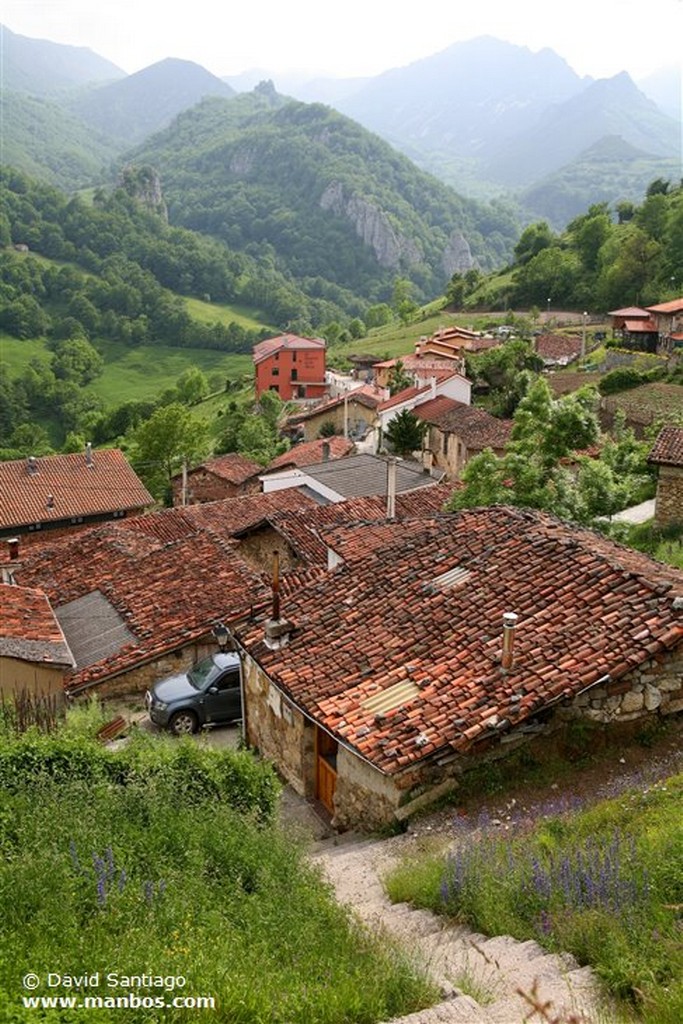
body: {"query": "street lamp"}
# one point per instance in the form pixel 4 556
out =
pixel 221 635
pixel 583 336
pixel 547 315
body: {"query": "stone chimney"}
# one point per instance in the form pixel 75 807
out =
pixel 277 630
pixel 32 465
pixel 432 387
pixel 509 624
pixel 89 461
pixel 326 451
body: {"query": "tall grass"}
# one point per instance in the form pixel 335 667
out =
pixel 605 884
pixel 153 872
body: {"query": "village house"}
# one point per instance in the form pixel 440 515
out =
pixel 293 367
pixel 557 350
pixel 308 453
pixel 225 476
pixel 62 493
pixel 667 456
pixel 423 649
pixel 453 386
pixel 668 317
pixel 138 599
pixel 456 432
pixel 351 415
pixel 34 655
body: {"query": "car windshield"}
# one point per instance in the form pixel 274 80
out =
pixel 201 674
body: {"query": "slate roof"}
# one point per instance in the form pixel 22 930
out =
pixel 109 485
pixel 29 630
pixel 365 475
pixel 308 453
pixel 234 468
pixel 285 341
pixel 413 617
pixel 476 428
pixel 668 448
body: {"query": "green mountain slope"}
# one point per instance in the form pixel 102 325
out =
pixel 42 68
pixel 129 110
pixel 332 204
pixel 44 141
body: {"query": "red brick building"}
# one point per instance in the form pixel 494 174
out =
pixel 292 366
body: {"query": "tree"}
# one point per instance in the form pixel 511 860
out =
pixel 378 315
pixel 257 440
pixel 161 443
pixel 405 433
pixel 192 386
pixel 76 360
pixel 533 239
pixel 399 379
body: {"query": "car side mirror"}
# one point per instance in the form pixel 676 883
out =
pixel 213 689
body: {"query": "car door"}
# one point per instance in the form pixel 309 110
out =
pixel 223 698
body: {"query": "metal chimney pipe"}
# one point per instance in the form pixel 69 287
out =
pixel 509 623
pixel 391 488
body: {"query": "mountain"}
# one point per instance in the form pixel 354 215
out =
pixel 44 141
pixel 608 171
pixel 665 88
pixel 129 110
pixel 609 107
pixel 466 100
pixel 42 68
pixel 333 204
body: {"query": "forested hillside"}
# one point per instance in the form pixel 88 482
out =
pixel 604 259
pixel 322 197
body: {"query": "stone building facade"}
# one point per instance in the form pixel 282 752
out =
pixel 667 455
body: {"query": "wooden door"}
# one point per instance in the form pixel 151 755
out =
pixel 326 769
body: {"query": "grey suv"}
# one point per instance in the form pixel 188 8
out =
pixel 209 692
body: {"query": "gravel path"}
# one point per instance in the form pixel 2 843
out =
pixel 490 969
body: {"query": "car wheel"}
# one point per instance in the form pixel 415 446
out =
pixel 183 723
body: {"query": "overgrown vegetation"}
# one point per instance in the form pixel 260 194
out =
pixel 163 859
pixel 605 884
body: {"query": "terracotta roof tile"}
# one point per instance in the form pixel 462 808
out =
pixel 76 489
pixel 475 427
pixel 558 347
pixel 668 448
pixel 587 607
pixel 309 453
pixel 285 341
pixel 234 468
pixel 29 630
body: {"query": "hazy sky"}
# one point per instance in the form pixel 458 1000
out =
pixel 354 37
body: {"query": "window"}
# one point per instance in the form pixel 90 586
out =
pixel 275 372
pixel 444 444
pixel 294 375
pixel 294 356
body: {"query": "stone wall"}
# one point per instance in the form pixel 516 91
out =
pixel 655 688
pixel 205 486
pixel 669 500
pixel 257 550
pixel 134 682
pixel 278 729
pixel 358 415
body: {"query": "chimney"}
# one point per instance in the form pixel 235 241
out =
pixel 50 502
pixel 326 451
pixel 13 547
pixel 509 623
pixel 391 488
pixel 32 465
pixel 88 456
pixel 277 630
pixel 432 387
pixel 427 460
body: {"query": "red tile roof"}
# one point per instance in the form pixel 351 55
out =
pixel 668 448
pixel 476 428
pixel 76 489
pixel 309 453
pixel 674 306
pixel 629 311
pixel 640 326
pixel 285 341
pixel 29 630
pixel 391 614
pixel 234 468
pixel 558 347
pixel 403 396
pixel 367 395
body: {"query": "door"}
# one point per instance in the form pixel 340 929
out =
pixel 326 768
pixel 223 701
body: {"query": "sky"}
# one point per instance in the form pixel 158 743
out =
pixel 355 37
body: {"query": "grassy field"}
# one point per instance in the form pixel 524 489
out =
pixel 210 312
